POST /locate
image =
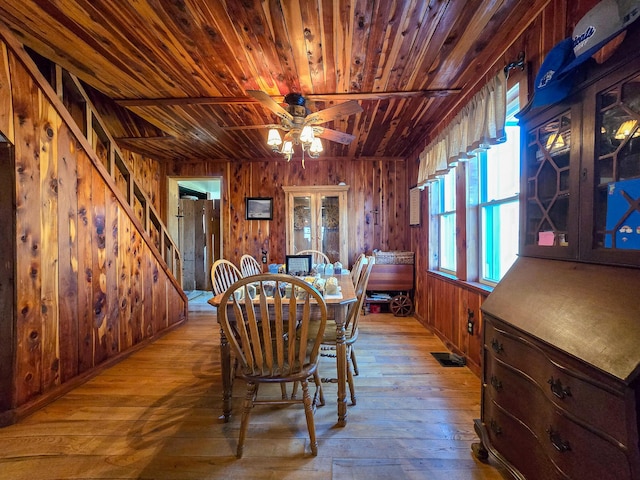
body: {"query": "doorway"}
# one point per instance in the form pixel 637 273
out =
pixel 193 219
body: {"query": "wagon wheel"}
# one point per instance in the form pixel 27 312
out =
pixel 401 305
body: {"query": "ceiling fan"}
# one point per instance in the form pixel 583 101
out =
pixel 301 127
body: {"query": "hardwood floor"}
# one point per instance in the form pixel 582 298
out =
pixel 155 416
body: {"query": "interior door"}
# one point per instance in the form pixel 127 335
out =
pixel 198 242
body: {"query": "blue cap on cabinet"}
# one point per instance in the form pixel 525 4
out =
pixel 550 85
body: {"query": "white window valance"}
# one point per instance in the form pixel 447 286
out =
pixel 479 125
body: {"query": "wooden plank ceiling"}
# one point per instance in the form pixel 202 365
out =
pixel 185 66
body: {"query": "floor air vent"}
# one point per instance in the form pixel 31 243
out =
pixel 447 359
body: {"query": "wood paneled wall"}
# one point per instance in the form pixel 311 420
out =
pixel 449 307
pixel 85 284
pixel 380 185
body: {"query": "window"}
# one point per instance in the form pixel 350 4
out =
pixel 499 185
pixel 477 240
pixel 446 215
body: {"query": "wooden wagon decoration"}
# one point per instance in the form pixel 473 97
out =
pixel 392 282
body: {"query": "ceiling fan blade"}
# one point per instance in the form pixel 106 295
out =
pixel 333 135
pixel 271 104
pixel 323 97
pixel 251 127
pixel 332 113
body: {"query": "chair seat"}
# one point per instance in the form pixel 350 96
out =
pixel 331 335
pixel 305 372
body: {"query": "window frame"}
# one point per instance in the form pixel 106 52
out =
pixel 484 204
pixel 441 212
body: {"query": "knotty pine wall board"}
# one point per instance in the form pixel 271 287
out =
pixel 49 125
pixel 68 255
pixel 136 320
pixel 112 324
pixel 6 101
pixel 98 269
pixel 7 274
pixel 85 259
pixel 125 261
pixel 29 326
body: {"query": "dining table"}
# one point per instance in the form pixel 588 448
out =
pixel 338 304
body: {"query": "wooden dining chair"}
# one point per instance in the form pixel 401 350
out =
pixel 275 341
pixel 357 268
pixel 329 339
pixel 317 256
pixel 249 266
pixel 223 274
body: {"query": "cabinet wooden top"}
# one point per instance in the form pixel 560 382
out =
pixel 315 188
pixel 589 311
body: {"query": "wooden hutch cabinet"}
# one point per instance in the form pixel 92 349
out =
pixel 581 175
pixel 561 339
pixel 317 220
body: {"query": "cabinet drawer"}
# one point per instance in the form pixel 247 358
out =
pixel 581 453
pixel 516 444
pixel 560 450
pixel 572 447
pixel 515 393
pixel 569 390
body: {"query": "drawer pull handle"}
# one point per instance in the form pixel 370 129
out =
pixel 495 383
pixel 557 441
pixel 497 346
pixel 557 389
pixel 495 427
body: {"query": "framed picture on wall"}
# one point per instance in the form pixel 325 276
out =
pixel 259 208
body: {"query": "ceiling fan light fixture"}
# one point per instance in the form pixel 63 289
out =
pixel 316 147
pixel 287 149
pixel 274 140
pixel 306 136
pixel 300 124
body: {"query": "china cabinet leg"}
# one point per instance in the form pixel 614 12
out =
pixel 478 449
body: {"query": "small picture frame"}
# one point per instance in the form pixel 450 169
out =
pixel 299 265
pixel 259 208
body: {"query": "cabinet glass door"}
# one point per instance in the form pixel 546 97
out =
pixel 617 168
pixel 317 220
pixel 303 227
pixel 330 227
pixel 548 175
